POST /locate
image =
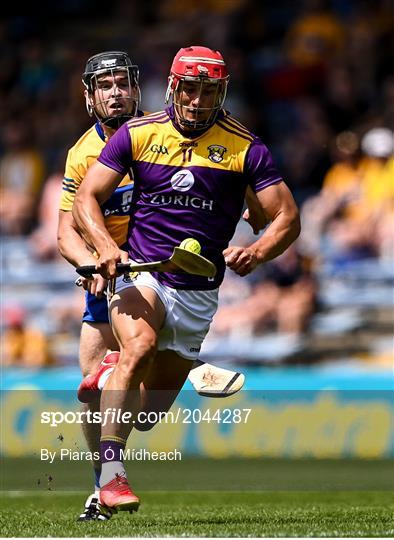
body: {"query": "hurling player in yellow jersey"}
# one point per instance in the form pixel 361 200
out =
pixel 191 165
pixel 112 95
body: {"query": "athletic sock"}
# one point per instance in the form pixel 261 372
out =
pixel 97 474
pixel 111 458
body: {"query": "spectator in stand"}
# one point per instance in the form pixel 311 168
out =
pixel 378 190
pixel 22 174
pixel 353 235
pixel 341 187
pixel 347 219
pixel 44 237
pixel 22 344
pixel 378 145
pixel 315 36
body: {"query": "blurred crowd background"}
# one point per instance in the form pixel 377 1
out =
pixel 314 79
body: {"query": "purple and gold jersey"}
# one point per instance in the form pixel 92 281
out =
pixel 116 209
pixel 187 187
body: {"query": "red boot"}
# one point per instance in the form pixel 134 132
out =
pixel 88 390
pixel 117 495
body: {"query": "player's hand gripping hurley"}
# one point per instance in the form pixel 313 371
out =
pixel 180 261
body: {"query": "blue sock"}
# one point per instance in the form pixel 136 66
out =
pixel 97 473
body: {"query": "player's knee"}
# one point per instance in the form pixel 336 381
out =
pixel 133 368
pixel 148 418
pixel 147 426
pixel 89 368
pixel 141 349
pixel 137 355
pixel 90 358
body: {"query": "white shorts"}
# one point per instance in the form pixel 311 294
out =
pixel 188 314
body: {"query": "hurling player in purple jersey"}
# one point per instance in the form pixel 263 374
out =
pixel 191 164
pixel 112 96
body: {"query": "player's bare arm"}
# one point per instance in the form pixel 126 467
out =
pixel 278 205
pixel 70 243
pixel 74 249
pixel 254 214
pixel 99 182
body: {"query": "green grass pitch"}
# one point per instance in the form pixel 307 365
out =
pixel 208 498
pixel 333 514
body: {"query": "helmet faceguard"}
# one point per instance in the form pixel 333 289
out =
pixel 198 86
pixel 112 90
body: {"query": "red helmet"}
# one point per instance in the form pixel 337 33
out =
pixel 204 66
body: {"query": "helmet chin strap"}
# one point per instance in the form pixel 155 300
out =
pixel 194 125
pixel 89 107
pixel 114 122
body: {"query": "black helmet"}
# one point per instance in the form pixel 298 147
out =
pixel 109 62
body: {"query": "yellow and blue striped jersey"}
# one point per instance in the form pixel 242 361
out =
pixel 116 209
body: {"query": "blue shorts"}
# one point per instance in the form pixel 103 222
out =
pixel 96 310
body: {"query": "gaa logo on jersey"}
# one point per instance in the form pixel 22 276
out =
pixel 159 149
pixel 182 180
pixel 216 152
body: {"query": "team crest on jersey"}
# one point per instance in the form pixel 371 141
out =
pixel 216 152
